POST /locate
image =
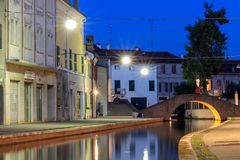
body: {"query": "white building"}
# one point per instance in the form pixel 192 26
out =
pixel 128 81
pixel 27 61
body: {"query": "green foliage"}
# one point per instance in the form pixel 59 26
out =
pixel 205 51
pixel 230 90
pixel 185 88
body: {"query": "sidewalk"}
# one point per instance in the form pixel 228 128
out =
pixel 224 141
pixel 38 131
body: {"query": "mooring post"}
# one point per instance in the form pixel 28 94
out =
pixel 236 98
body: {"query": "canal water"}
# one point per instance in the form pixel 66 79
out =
pixel 152 142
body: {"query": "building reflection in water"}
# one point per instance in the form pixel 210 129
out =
pixel 149 143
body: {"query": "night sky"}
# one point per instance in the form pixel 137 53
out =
pixel 126 24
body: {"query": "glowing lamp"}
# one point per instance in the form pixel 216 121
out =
pixel 144 71
pixel 126 60
pixel 70 24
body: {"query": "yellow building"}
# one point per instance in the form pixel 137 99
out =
pixel 74 76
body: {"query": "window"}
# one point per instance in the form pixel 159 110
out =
pixel 75 62
pixel 28 36
pixel 12 28
pixel 163 69
pixel 117 86
pixel 0 36
pixel 66 59
pixel 116 67
pixel 82 64
pixel 70 59
pixel 227 83
pixel 40 40
pixel 131 85
pixel 58 56
pixel 151 85
pixel 175 84
pixel 160 87
pixel 219 84
pixel 131 68
pixel 171 87
pixel 90 70
pixel 174 69
pixel 166 87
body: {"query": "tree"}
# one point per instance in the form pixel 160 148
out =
pixel 205 51
pixel 185 88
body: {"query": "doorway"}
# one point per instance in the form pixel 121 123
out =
pixel 139 102
pixel 78 106
pixel 50 101
pixel 14 102
pixel 1 105
pixel 27 102
pixel 39 101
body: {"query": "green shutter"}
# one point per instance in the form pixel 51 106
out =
pixel 75 62
pixel 70 59
pixel 0 36
pixel 82 63
pixel 58 56
pixel 66 59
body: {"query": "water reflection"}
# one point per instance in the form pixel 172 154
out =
pixel 148 143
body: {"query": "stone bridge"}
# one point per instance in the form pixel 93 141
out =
pixel 220 109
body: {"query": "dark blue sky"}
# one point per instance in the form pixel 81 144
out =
pixel 164 35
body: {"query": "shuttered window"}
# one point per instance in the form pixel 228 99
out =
pixel 0 36
pixel 82 64
pixel 66 59
pixel 58 56
pixel 75 62
pixel 70 59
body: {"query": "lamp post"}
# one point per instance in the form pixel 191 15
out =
pixel 70 24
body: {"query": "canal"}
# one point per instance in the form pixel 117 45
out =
pixel 152 142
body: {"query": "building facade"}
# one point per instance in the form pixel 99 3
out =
pixel 127 81
pixel 28 67
pixel 169 75
pixel 74 82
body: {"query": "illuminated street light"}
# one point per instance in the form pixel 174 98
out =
pixel 126 60
pixel 144 71
pixel 95 92
pixel 70 24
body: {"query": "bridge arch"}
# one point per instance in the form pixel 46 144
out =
pixel 220 109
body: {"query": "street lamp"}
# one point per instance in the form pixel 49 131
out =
pixel 95 92
pixel 126 60
pixel 70 24
pixel 144 71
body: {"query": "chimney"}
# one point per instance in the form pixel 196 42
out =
pixel 137 49
pixel 108 46
pixel 90 42
pixel 75 4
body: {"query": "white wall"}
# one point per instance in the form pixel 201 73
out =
pixel 141 82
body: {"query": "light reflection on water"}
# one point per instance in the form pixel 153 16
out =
pixel 154 142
